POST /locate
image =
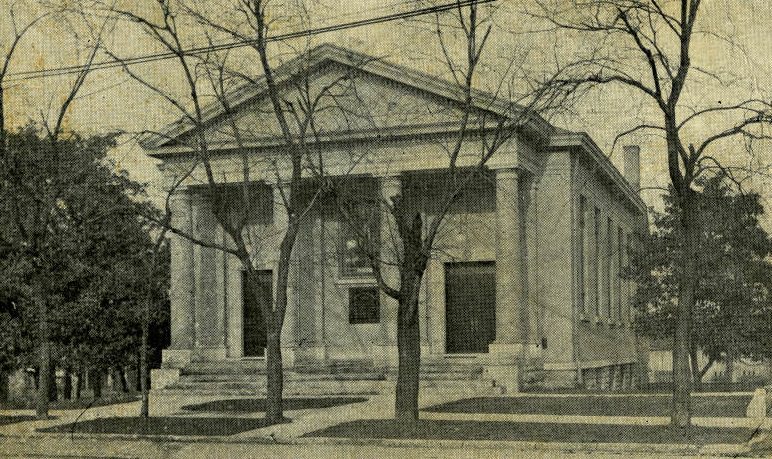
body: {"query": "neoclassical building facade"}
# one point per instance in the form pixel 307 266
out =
pixel 524 281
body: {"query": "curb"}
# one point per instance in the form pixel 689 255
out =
pixel 726 450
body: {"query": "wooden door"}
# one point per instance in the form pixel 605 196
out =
pixel 470 307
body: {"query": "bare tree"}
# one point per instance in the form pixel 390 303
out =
pixel 646 46
pixel 216 76
pixel 10 48
pixel 413 239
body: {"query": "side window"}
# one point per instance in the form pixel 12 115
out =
pixel 608 302
pixel 620 269
pixel 596 264
pixel 364 305
pixel 359 231
pixel 582 251
pixel 353 260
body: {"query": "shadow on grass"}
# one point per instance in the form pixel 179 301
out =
pixel 524 431
pixel 596 405
pixel 162 426
pixel 249 405
pixel 5 420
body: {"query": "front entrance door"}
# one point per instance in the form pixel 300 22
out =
pixel 470 307
pixel 254 325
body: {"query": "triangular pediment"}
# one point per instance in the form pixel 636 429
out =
pixel 351 94
pixel 345 101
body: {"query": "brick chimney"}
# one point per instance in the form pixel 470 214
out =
pixel 632 166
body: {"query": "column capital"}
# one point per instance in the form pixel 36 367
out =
pixel 515 171
pixel 391 177
pixel 180 197
pixel 278 183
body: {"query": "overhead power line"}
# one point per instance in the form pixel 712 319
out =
pixel 111 63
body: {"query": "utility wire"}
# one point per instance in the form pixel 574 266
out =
pixel 75 69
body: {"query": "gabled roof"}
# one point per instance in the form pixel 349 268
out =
pixel 327 53
pixel 556 138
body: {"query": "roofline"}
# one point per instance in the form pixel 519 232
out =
pixel 584 141
pixel 377 66
pixel 157 143
pixel 353 136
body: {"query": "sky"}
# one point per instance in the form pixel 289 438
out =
pixel 111 101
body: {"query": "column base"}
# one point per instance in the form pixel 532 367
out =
pixel 504 351
pixel 385 356
pixel 208 354
pixel 504 365
pixel 176 358
pixel 316 354
pixel 288 356
pixel 161 378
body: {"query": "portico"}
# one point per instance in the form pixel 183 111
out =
pixel 500 289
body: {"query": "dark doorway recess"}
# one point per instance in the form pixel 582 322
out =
pixel 470 307
pixel 254 323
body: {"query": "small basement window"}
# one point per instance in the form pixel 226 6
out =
pixel 364 305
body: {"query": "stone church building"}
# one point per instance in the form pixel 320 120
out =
pixel 524 286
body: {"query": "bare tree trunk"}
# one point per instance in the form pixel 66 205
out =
pixel 696 374
pixel 78 384
pixel 53 388
pixel 409 366
pixel 274 412
pixel 67 386
pixel 144 410
pixel 730 358
pixel 138 375
pixel 410 228
pixel 682 410
pixel 2 123
pixel 3 386
pixel 95 381
pixel 44 355
pixel 122 379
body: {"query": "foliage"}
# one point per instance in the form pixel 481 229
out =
pixel 72 224
pixel 733 313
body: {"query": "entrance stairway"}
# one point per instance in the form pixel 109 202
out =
pixel 344 377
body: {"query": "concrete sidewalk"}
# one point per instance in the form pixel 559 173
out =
pixel 22 438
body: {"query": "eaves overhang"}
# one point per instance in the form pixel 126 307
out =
pixel 583 142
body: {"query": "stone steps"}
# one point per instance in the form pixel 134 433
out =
pixel 320 387
pixel 247 377
pixel 328 388
pixel 228 367
pixel 288 376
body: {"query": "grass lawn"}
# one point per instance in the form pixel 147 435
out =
pixel 5 420
pixel 162 426
pixel 597 405
pixel 523 431
pixel 249 405
pixel 73 404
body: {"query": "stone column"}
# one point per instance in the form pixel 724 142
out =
pixel 506 351
pixel 509 264
pixel 210 327
pixel 386 356
pixel 182 288
pixel 535 330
